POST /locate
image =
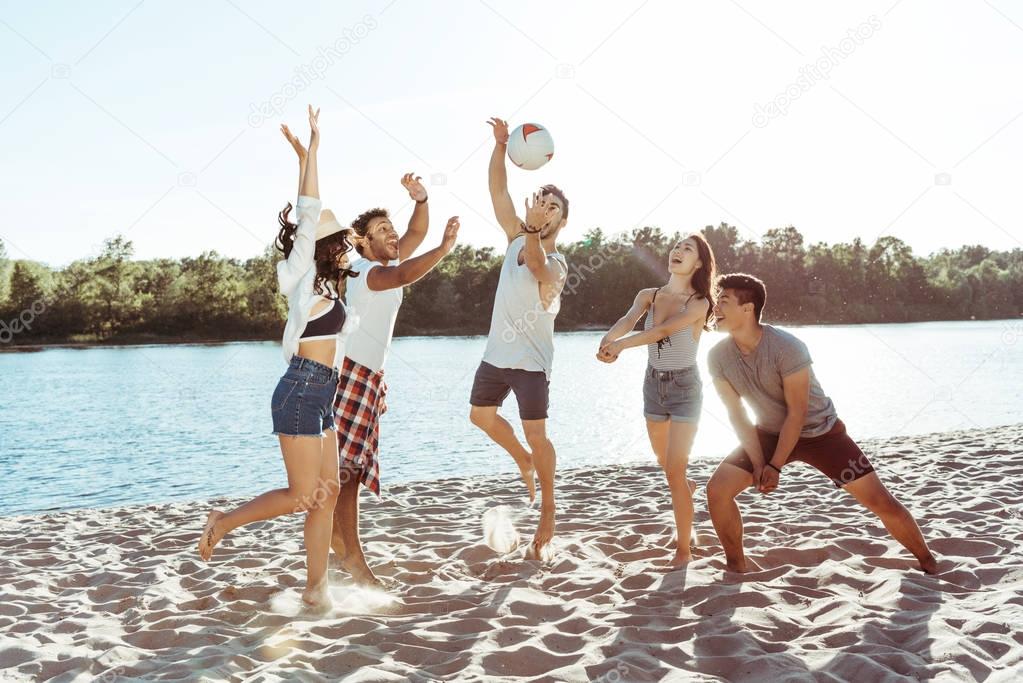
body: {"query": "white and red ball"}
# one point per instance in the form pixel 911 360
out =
pixel 530 146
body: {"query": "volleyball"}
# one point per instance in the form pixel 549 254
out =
pixel 530 146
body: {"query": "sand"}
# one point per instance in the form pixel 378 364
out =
pixel 119 594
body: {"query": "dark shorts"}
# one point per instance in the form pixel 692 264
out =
pixel 532 390
pixel 835 454
pixel 675 395
pixel 303 402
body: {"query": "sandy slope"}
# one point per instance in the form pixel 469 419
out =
pixel 119 594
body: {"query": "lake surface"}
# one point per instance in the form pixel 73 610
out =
pixel 115 426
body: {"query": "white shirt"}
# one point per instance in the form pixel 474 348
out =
pixel 377 311
pixel 296 276
pixel 521 329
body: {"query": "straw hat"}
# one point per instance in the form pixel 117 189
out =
pixel 328 225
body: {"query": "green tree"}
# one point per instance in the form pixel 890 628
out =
pixel 5 275
pixel 267 308
pixel 212 295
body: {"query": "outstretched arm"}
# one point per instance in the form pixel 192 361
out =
pixel 420 221
pixel 300 150
pixel 689 317
pixel 410 270
pixel 310 181
pixel 626 323
pixel 497 175
pixel 303 248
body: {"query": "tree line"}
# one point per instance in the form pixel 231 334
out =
pixel 113 297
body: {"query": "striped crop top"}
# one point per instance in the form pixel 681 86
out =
pixel 674 352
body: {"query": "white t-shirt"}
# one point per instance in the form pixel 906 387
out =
pixel 369 342
pixel 521 329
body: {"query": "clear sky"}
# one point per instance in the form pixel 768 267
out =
pixel 143 117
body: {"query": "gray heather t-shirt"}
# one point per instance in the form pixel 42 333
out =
pixel 757 378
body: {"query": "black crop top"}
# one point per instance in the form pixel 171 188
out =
pixel 325 324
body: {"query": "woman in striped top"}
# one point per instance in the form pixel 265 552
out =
pixel 676 315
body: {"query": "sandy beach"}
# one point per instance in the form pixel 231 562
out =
pixel 119 594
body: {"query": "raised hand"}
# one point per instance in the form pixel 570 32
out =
pixel 450 234
pixel 314 128
pixel 500 127
pixel 296 144
pixel 411 182
pixel 539 213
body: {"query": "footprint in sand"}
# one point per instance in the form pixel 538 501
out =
pixel 346 599
pixel 499 532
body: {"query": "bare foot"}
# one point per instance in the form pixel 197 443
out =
pixel 929 564
pixel 318 595
pixel 544 530
pixel 737 566
pixel 360 572
pixel 680 560
pixel 211 535
pixel 528 475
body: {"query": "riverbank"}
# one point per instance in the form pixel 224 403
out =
pixel 120 592
pixel 1014 326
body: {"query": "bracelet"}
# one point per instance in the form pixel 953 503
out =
pixel 775 467
pixel 424 201
pixel 525 229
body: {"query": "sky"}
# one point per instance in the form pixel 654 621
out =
pixel 159 120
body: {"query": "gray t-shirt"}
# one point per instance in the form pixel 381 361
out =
pixel 758 379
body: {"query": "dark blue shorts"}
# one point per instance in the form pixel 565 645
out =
pixel 532 390
pixel 303 402
pixel 675 395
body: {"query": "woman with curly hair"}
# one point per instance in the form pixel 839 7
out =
pixel 302 406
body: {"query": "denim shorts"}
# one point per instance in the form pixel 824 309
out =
pixel 303 402
pixel 672 394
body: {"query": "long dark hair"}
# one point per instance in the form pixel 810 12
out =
pixel 327 255
pixel 703 279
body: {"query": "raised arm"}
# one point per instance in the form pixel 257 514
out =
pixel 497 175
pixel 310 182
pixel 693 314
pixel 626 323
pixel 303 250
pixel 744 429
pixel 410 270
pixel 546 270
pixel 420 221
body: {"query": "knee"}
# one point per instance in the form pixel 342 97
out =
pixel 675 472
pixel 884 505
pixel 481 418
pixel 718 491
pixel 317 496
pixel 536 438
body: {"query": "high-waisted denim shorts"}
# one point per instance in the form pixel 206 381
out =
pixel 672 394
pixel 303 402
